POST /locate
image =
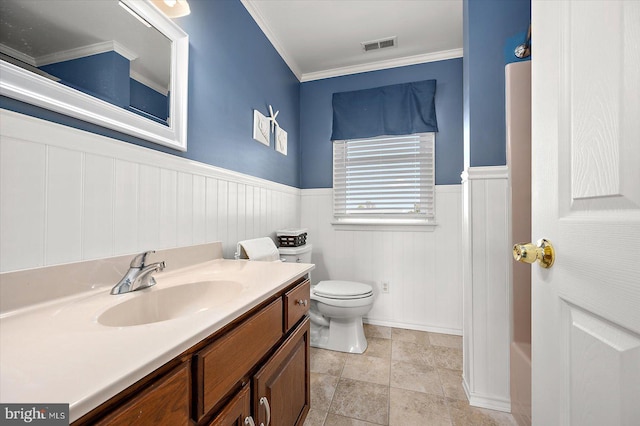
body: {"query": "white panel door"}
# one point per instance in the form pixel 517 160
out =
pixel 586 201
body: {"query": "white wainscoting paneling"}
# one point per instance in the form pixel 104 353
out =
pixel 487 292
pixel 423 269
pixel 68 195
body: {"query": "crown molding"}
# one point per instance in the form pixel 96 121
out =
pixel 381 65
pixel 148 82
pixel 84 51
pixel 23 57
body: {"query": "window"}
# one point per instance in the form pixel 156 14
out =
pixel 387 179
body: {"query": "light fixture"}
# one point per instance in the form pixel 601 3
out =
pixel 173 8
pixel 134 14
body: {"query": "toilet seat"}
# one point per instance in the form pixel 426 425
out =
pixel 342 290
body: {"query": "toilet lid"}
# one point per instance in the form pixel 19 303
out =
pixel 342 289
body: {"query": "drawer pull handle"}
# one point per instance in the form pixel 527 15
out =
pixel 249 421
pixel 301 302
pixel 264 401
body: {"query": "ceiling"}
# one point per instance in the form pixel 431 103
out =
pixel 322 38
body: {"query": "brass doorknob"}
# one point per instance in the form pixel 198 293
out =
pixel 542 251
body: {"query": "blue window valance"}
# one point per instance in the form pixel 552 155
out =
pixel 400 109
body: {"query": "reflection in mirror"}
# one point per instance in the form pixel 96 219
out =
pixel 121 52
pixel 97 47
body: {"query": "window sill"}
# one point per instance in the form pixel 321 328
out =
pixel 405 225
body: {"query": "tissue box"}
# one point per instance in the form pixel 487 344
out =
pixel 292 237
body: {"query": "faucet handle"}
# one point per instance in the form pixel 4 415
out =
pixel 140 260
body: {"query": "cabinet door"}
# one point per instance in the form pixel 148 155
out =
pixel 284 382
pixel 234 413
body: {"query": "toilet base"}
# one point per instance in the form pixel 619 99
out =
pixel 342 334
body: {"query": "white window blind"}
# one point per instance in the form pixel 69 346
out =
pixel 385 177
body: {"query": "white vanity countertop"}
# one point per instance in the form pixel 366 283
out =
pixel 57 352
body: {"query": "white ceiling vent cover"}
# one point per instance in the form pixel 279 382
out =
pixel 368 46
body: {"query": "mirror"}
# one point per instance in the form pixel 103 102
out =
pixel 119 64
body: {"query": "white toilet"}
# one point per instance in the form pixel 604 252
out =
pixel 337 308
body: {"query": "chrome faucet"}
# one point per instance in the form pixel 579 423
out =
pixel 139 275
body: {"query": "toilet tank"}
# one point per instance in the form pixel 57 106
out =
pixel 301 254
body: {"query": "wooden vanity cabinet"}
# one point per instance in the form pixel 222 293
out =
pixel 283 378
pixel 220 381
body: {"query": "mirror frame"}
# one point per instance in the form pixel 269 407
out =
pixel 23 85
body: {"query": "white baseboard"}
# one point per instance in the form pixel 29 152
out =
pixel 419 327
pixel 483 401
pixel 497 404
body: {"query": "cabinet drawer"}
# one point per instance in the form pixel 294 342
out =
pixel 224 363
pixel 166 402
pixel 296 304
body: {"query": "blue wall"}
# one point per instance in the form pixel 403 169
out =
pixel 491 29
pixel 233 69
pixel 148 100
pixel 104 75
pixel 316 155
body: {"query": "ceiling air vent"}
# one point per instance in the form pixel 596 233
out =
pixel 368 46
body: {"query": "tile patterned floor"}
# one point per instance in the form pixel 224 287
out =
pixel 405 378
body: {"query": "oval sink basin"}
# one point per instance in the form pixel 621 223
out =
pixel 170 303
